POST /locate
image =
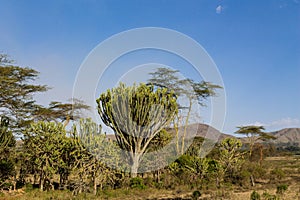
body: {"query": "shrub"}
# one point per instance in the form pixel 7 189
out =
pixel 159 185
pixel 137 182
pixel 268 196
pixel 255 196
pixel 281 189
pixel 196 194
pixel 277 174
pixel 28 187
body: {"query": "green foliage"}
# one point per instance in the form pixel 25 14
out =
pixel 250 170
pixel 160 140
pixel 28 187
pixel 16 94
pixel 60 111
pixel 7 142
pixel 6 137
pixel 192 91
pixel 267 196
pixel 194 148
pixel 93 154
pixel 255 196
pixel 16 98
pixel 93 140
pixel 277 174
pixel 6 170
pixel 168 78
pixel 281 189
pixel 196 194
pixel 253 134
pixel 79 160
pixel 136 114
pixel 44 144
pixel 230 157
pixel 137 182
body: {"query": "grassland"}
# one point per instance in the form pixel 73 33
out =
pixel 284 170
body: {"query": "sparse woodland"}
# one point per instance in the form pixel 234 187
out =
pixel 41 157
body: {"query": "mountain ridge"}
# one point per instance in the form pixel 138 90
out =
pixel 285 136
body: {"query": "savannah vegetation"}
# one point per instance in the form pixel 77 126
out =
pixel 50 152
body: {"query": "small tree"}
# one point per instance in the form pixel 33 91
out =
pixel 136 114
pixel 43 143
pixel 95 153
pixel 254 133
pixel 230 157
pixel 194 92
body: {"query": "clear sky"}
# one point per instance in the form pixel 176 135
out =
pixel 254 43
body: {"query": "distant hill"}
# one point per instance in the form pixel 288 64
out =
pixel 205 131
pixel 287 136
pixel 195 130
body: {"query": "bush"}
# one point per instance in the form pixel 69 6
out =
pixel 268 196
pixel 28 187
pixel 243 177
pixel 281 189
pixel 196 194
pixel 6 169
pixel 137 182
pixel 277 174
pixel 159 185
pixel 255 196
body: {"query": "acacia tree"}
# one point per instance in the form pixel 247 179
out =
pixel 253 134
pixel 16 92
pixel 192 90
pixel 136 114
pixel 58 111
pixel 16 98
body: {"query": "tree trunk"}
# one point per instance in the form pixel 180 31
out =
pixel 80 184
pixel 158 176
pixel 15 178
pixel 252 180
pixel 95 186
pixel 60 181
pixel 42 181
pixel 261 155
pixel 176 125
pixel 185 127
pixel 34 178
pixel 134 165
pixel 218 182
pixel 51 182
pixel 15 182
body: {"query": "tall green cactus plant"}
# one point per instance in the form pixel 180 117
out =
pixel 136 114
pixel 94 154
pixel 44 142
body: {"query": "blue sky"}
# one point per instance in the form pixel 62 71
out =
pixel 254 43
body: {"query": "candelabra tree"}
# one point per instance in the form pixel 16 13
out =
pixel 136 114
